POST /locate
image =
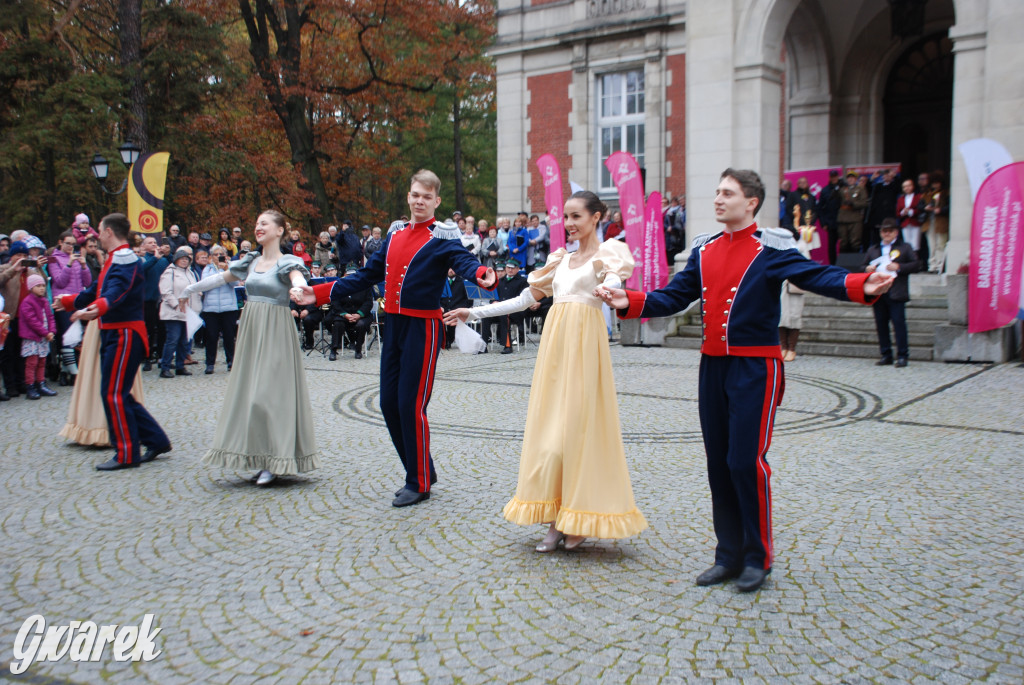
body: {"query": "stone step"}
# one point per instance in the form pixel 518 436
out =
pixel 862 336
pixel 914 325
pixel 824 349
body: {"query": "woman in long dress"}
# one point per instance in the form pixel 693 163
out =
pixel 572 470
pixel 267 421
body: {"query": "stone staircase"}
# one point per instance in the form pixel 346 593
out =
pixel 844 329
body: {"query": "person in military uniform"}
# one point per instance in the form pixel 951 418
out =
pixel 117 299
pixel 455 297
pixel 509 288
pixel 737 275
pixel 413 262
pixel 350 315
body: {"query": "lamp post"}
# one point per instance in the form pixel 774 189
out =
pixel 99 166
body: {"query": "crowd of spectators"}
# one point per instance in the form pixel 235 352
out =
pixel 851 209
pixel 513 245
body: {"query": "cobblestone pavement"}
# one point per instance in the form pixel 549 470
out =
pixel 899 526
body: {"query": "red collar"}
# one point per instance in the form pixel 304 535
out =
pixel 745 233
pixel 422 224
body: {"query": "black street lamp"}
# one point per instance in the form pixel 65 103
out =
pixel 99 166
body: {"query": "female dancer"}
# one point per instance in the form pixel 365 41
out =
pixel 572 471
pixel 266 423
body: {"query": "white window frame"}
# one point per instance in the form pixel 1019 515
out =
pixel 630 126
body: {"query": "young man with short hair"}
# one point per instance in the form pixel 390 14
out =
pixel 117 299
pixel 737 275
pixel 413 263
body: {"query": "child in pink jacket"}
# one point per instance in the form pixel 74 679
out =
pixel 37 328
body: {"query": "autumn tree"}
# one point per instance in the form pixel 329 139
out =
pixel 341 75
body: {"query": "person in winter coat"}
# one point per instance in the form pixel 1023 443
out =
pixel 69 275
pixel 173 304
pixel 220 311
pixel 323 251
pixel 37 329
pixel 82 230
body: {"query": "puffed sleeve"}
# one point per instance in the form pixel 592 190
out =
pixel 240 267
pixel 289 263
pixel 613 263
pixel 542 278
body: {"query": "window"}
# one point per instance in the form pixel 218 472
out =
pixel 620 119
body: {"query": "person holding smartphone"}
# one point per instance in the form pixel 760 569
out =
pixel 220 310
pixel 69 276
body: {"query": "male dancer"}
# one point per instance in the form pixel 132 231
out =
pixel 738 275
pixel 413 262
pixel 117 298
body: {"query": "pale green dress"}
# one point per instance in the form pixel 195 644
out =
pixel 267 421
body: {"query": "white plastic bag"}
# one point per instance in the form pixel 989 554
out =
pixel 73 335
pixel 467 340
pixel 193 322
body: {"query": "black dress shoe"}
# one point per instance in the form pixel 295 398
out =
pixel 359 355
pixel 166 373
pixel 884 361
pixel 182 372
pixel 507 350
pixel 901 362
pixel 333 356
pixel 409 497
pixel 752 578
pixel 147 365
pixel 113 465
pixel 154 452
pixel 716 574
pixel 433 480
pixel 3 396
pixel 209 370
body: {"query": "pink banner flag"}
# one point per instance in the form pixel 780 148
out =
pixel 551 175
pixel 997 249
pixel 655 266
pixel 626 175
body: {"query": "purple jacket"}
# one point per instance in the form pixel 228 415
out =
pixel 36 318
pixel 67 278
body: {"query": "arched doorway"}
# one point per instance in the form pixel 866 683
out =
pixel 919 107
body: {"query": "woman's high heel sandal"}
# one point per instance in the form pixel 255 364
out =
pixel 550 545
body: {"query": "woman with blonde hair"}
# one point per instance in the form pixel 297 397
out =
pixel 572 470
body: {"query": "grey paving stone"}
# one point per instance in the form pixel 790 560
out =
pixel 899 533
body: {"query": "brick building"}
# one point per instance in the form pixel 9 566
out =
pixel 693 87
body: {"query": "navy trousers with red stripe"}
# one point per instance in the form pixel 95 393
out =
pixel 407 363
pixel 737 401
pixel 131 425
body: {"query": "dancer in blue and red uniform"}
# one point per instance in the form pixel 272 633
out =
pixel 738 275
pixel 413 262
pixel 117 299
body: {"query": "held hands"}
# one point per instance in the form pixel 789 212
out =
pixel 456 316
pixel 58 306
pixel 613 297
pixel 877 284
pixel 302 294
pixel 354 318
pixel 88 314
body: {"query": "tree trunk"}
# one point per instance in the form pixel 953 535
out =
pixel 129 19
pixel 460 193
